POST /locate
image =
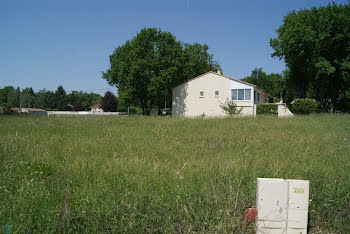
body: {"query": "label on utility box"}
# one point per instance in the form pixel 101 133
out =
pixel 298 190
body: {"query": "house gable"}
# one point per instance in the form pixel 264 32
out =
pixel 201 95
pixel 204 94
pixel 227 77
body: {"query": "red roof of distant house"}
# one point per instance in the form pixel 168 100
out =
pixel 32 109
pixel 97 105
pixel 17 109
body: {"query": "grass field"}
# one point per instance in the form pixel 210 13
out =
pixel 163 174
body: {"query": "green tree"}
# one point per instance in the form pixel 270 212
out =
pixel 4 93
pixel 28 98
pixel 61 99
pixel 14 98
pixel 42 99
pixel 195 60
pixel 315 46
pixel 274 83
pixel 146 68
pixel 85 99
pixel 50 100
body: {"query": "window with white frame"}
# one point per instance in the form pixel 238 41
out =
pixel 201 94
pixel 216 93
pixel 241 94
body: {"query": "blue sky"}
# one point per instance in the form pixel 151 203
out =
pixel 44 44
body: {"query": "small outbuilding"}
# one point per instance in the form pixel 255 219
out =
pixel 97 107
pixel 205 93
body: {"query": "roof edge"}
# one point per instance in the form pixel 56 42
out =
pixel 228 77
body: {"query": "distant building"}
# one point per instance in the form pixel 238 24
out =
pixel 96 108
pixel 13 110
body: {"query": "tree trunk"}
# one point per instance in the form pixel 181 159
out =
pixel 321 95
pixel 144 107
pixel 302 89
pixel 334 92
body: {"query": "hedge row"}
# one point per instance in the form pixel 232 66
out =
pixel 267 109
pixel 304 106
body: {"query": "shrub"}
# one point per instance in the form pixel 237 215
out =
pixel 7 109
pixel 304 106
pixel 267 109
pixel 230 107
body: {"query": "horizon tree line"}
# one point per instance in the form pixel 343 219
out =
pixel 54 100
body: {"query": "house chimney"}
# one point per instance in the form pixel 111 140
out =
pixel 218 72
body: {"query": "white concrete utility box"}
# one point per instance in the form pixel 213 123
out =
pixel 282 205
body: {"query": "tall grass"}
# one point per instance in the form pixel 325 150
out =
pixel 149 174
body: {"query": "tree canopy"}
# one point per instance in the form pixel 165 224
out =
pixel 147 67
pixel 272 83
pixel 4 94
pixel 315 44
pixel 48 100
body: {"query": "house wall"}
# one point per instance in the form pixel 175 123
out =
pixel 188 102
pixel 263 97
pixel 96 110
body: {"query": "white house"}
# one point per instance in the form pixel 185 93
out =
pixel 97 107
pixel 204 94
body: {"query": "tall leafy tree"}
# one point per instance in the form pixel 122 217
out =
pixel 50 101
pixel 146 68
pixel 85 99
pixel 61 99
pixel 41 99
pixel 28 98
pixel 14 97
pixel 315 46
pixel 196 60
pixel 45 99
pixel 4 93
pixel 274 83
